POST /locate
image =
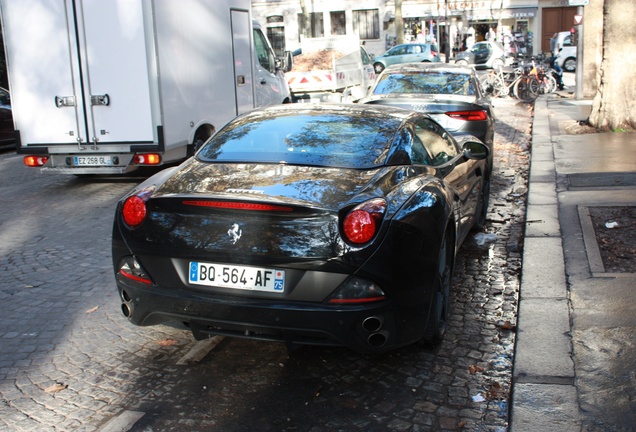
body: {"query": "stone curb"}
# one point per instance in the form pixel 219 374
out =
pixel 544 396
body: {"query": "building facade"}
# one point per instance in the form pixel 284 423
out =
pixel 452 24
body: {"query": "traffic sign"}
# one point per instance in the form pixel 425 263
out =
pixel 578 19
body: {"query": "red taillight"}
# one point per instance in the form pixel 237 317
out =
pixel 134 211
pixel 147 159
pixel 434 53
pixel 361 224
pixel 468 115
pixel 232 205
pixel 35 161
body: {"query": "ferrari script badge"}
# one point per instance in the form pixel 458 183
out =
pixel 234 233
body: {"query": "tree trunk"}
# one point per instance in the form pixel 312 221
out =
pixel 305 24
pixel 614 105
pixel 399 23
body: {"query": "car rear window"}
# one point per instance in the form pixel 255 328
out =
pixel 331 140
pixel 425 83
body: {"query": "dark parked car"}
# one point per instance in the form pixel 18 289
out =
pixel 330 225
pixel 486 54
pixel 450 94
pixel 406 53
pixel 7 131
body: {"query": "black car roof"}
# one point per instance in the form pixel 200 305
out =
pixel 333 108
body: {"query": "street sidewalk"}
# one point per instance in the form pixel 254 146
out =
pixel 575 357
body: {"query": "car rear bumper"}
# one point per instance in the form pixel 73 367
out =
pixel 368 328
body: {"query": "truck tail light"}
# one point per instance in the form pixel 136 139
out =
pixel 35 161
pixel 147 159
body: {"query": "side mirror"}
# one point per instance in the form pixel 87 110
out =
pixel 475 150
pixel 288 61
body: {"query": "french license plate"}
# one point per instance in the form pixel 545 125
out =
pixel 93 161
pixel 237 277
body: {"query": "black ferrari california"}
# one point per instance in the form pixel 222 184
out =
pixel 308 224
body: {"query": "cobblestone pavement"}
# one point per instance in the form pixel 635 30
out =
pixel 70 361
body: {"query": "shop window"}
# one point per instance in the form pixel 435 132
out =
pixel 366 23
pixel 338 23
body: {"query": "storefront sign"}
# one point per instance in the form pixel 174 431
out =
pixel 480 10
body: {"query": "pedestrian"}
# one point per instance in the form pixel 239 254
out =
pixel 553 44
pixel 492 36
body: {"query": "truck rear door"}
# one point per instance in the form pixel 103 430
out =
pixel 78 72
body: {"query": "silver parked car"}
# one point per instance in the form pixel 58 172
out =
pixel 407 53
pixel 451 94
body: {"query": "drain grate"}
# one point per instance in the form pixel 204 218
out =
pixel 588 180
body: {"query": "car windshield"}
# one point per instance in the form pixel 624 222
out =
pixel 425 83
pixel 330 140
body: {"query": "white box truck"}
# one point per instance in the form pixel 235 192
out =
pixel 330 69
pixel 107 86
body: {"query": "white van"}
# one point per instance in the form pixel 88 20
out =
pixel 565 52
pixel 105 87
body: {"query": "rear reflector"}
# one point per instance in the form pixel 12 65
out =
pixel 468 115
pixel 134 277
pixel 35 161
pixel 233 205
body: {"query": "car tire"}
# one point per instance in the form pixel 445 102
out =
pixel 569 65
pixel 378 67
pixel 482 210
pixel 439 311
pixel 461 62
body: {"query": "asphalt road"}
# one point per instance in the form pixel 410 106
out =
pixel 69 360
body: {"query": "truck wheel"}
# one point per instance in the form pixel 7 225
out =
pixel 378 67
pixel 200 138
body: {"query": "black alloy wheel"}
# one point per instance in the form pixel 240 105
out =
pixel 439 315
pixel 482 210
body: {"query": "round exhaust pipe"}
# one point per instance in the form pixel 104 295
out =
pixel 378 340
pixel 125 309
pixel 126 306
pixel 372 324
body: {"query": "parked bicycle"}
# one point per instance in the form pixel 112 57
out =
pixel 524 82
